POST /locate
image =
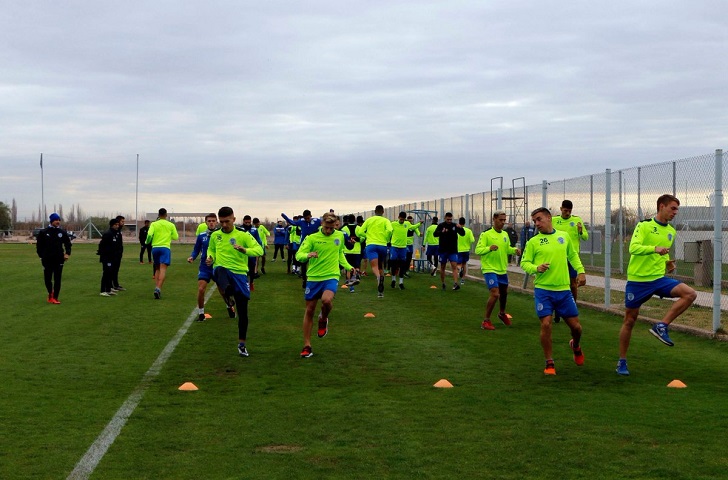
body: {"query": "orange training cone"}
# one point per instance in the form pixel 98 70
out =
pixel 208 316
pixel 433 286
pixel 443 384
pixel 188 387
pixel 369 315
pixel 676 384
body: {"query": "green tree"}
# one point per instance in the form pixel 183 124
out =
pixel 5 218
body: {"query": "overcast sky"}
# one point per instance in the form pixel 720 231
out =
pixel 285 105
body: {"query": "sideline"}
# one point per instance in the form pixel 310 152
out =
pixel 90 460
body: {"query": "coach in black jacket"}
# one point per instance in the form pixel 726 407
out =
pixel 108 253
pixel 53 248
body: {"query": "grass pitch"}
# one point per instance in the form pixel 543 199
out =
pixel 362 407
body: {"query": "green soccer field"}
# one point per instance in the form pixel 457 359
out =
pixel 362 407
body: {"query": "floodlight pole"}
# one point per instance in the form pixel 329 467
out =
pixel 136 199
pixel 42 194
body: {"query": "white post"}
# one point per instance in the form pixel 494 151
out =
pixel 717 238
pixel 136 199
pixel 544 196
pixel 42 194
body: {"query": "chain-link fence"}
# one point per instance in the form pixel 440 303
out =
pixel 611 204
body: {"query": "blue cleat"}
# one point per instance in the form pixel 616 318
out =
pixel 659 330
pixel 622 367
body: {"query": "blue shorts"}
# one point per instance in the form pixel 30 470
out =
pixel 376 252
pixel 161 255
pixel 549 301
pixel 398 253
pixel 448 257
pixel 637 293
pixel 226 280
pixel 572 272
pixel 463 257
pixel 493 280
pixel 432 250
pixel 205 273
pixel 314 290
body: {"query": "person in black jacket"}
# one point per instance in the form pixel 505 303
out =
pixel 107 256
pixel 119 253
pixel 53 248
pixel 448 232
pixel 143 242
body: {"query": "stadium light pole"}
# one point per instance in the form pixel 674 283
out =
pixel 42 194
pixel 136 199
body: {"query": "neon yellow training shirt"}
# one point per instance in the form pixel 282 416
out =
pixel 568 225
pixel 556 249
pixel 494 261
pixel 399 232
pixel 466 241
pixel 377 230
pixel 430 238
pixel 330 249
pixel 161 233
pixel 223 253
pixel 645 264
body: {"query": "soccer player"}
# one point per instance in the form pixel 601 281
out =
pixel 494 246
pixel 53 248
pixel 574 227
pixel 324 253
pixel 294 241
pixel 228 252
pixel 547 256
pixel 161 234
pixel 204 274
pixel 377 231
pixel 465 243
pixel 279 240
pixel 432 242
pixel 353 254
pixel 398 252
pixel 308 226
pixel 143 232
pixel 107 253
pixel 650 259
pixel 263 233
pixel 448 232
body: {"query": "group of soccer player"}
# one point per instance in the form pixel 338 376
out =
pixel 321 247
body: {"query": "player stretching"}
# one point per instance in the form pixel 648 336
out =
pixel 323 251
pixel 228 252
pixel 377 232
pixel 547 256
pixel 650 259
pixel 494 246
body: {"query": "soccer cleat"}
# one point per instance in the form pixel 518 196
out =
pixel 201 317
pixel 50 298
pixel 54 301
pixel 622 367
pixel 394 283
pixel 103 294
pixel 351 289
pixel 157 294
pixel 242 350
pixel 356 280
pixel 434 271
pixel 380 295
pixel 323 326
pixel 380 285
pixel 141 263
pixel 659 330
pixel 456 286
pixel 306 352
pixel 550 368
pixel 505 318
pixel 487 325
pixel 112 292
pixel 462 281
pixel 401 286
pixel 578 354
pixel 120 288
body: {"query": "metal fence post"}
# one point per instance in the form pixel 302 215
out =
pixel 717 238
pixel 620 220
pixel 467 210
pixel 544 195
pixel 608 240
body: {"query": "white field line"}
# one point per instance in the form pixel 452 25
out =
pixel 88 463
